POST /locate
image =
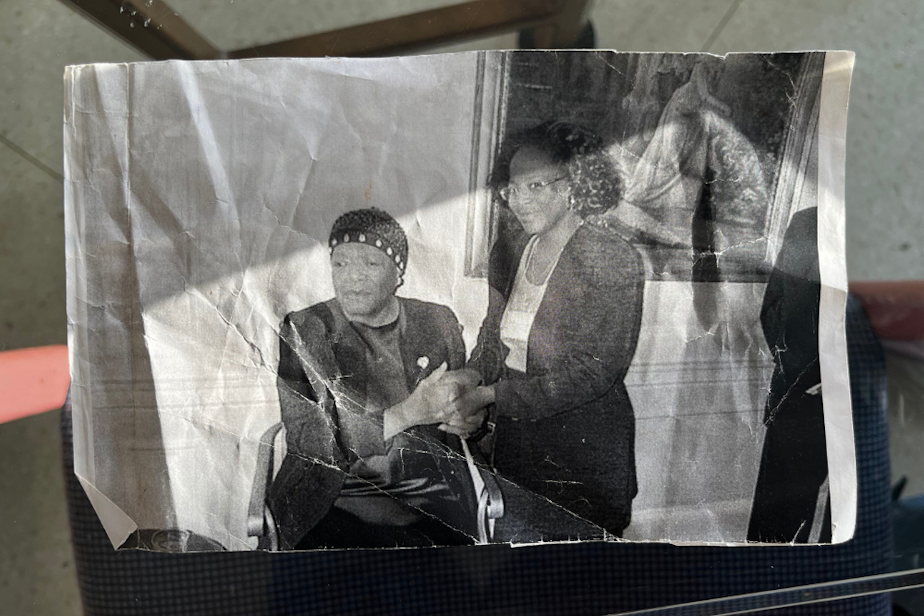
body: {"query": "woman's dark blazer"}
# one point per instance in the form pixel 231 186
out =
pixel 322 372
pixel 565 428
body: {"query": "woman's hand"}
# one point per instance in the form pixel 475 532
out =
pixel 470 411
pixel 441 398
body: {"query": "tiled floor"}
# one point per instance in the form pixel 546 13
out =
pixel 38 38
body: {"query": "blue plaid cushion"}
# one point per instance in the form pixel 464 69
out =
pixel 557 579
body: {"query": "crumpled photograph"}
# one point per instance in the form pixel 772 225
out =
pixel 489 297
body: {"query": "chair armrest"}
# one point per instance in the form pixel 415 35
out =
pixel 487 491
pixel 263 476
pixel 495 499
pixel 495 502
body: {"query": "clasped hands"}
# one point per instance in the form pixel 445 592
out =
pixel 453 399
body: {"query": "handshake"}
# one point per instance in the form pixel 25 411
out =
pixel 453 399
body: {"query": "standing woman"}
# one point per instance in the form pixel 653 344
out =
pixel 563 319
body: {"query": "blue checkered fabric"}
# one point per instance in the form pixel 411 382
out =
pixel 593 578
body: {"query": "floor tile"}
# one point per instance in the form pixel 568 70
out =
pixel 642 25
pixel 32 298
pixel 38 38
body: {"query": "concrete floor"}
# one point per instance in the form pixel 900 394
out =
pixel 38 38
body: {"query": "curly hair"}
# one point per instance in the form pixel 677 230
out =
pixel 594 176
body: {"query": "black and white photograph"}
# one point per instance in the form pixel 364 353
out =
pixel 490 297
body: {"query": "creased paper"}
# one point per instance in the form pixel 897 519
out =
pixel 630 267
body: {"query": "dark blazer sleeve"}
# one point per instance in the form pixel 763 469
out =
pixel 594 308
pixel 489 354
pixel 486 356
pixel 312 471
pixel 452 335
pixel 306 403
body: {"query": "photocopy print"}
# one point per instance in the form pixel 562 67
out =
pixel 490 297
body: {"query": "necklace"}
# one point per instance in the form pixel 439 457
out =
pixel 558 244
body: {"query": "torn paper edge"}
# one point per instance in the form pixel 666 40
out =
pixel 832 260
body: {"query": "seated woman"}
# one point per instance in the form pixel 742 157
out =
pixel 564 312
pixel 364 391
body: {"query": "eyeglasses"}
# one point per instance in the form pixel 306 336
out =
pixel 507 192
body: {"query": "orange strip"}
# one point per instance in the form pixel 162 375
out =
pixel 33 381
